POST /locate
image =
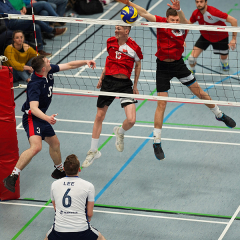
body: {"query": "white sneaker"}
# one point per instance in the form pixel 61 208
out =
pixel 119 139
pixel 91 156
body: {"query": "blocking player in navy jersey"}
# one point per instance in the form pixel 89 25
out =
pixel 208 15
pixel 170 47
pixel 73 202
pixel 123 52
pixel 35 121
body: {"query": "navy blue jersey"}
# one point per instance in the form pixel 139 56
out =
pixel 40 89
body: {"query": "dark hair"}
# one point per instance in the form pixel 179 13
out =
pixel 38 63
pixel 71 165
pixel 127 27
pixel 15 32
pixel 171 12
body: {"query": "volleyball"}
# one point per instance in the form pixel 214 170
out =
pixel 129 14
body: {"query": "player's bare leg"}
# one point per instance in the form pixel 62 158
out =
pixel 130 111
pixel 93 153
pixel 97 126
pixel 158 122
pixel 192 59
pixel 100 237
pixel 54 151
pixel 220 116
pixel 24 159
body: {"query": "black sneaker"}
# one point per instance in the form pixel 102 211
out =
pixel 159 154
pixel 57 174
pixel 227 120
pixel 10 182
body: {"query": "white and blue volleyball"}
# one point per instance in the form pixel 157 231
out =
pixel 129 14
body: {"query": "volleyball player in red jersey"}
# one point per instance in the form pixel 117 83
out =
pixel 208 15
pixel 123 52
pixel 170 64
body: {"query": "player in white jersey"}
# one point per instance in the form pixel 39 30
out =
pixel 73 202
pixel 208 15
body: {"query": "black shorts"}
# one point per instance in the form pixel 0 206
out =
pixel 36 126
pixel 89 234
pixel 220 47
pixel 168 70
pixel 112 84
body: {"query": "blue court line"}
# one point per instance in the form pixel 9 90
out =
pixel 147 140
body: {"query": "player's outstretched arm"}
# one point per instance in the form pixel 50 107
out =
pixel 141 11
pixel 136 77
pixel 233 42
pixel 176 6
pixel 38 113
pixel 77 64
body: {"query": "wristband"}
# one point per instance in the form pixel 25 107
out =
pixel 179 10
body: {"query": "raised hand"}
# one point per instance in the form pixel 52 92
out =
pixel 124 1
pixel 91 64
pixel 175 4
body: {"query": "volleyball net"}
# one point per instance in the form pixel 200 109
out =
pixel 86 39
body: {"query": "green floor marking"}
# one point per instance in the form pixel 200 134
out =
pixel 29 199
pixel 165 211
pixel 30 221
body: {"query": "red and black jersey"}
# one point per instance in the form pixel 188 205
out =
pixel 120 59
pixel 169 42
pixel 212 16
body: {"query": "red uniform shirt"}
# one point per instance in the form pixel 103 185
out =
pixel 212 16
pixel 120 59
pixel 169 42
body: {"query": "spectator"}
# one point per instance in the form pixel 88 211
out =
pixel 26 25
pixel 59 6
pixel 20 56
pixel 40 8
pixel 5 36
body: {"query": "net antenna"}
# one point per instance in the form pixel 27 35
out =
pixel 223 87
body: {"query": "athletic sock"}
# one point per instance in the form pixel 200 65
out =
pixel 59 167
pixel 94 144
pixel 121 130
pixel 224 61
pixel 157 135
pixel 218 113
pixel 16 171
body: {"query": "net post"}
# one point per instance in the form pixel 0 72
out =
pixel 9 152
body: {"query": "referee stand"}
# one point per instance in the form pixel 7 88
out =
pixel 9 152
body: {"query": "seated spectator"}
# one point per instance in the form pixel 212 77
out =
pixel 20 56
pixel 59 6
pixel 40 8
pixel 5 36
pixel 26 25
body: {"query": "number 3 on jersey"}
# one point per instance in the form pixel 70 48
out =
pixel 67 200
pixel 50 91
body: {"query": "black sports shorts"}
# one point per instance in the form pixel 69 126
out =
pixel 89 234
pixel 168 70
pixel 112 84
pixel 220 47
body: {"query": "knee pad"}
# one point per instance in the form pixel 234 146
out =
pixel 192 60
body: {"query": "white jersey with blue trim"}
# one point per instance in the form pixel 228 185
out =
pixel 71 195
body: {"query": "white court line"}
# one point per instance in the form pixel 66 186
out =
pixel 229 223
pixel 19 125
pixel 140 137
pixel 121 213
pixel 147 126
pixel 96 57
pixel 81 33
